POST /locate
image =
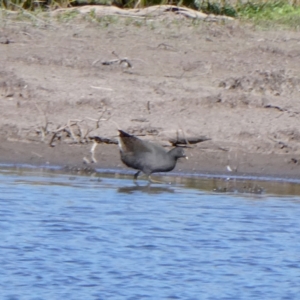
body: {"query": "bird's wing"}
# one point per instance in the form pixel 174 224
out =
pixel 130 143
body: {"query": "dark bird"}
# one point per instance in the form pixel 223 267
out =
pixel 145 156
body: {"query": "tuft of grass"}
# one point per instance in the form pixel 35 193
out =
pixel 102 21
pixel 216 7
pixel 68 15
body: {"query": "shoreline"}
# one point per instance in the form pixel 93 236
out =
pixel 201 163
pixel 23 159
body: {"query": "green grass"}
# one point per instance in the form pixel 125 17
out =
pixel 260 12
pixel 271 12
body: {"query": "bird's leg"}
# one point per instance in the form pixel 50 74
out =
pixel 136 175
pixel 153 181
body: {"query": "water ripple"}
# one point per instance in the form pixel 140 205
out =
pixel 76 237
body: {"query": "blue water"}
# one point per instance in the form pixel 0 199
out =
pixel 76 237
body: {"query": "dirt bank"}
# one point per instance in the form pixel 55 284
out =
pixel 62 83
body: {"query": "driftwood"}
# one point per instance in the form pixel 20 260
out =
pixel 152 11
pixel 189 140
pixel 173 137
pixel 105 140
pixel 182 137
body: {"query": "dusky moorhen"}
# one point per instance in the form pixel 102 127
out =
pixel 145 156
